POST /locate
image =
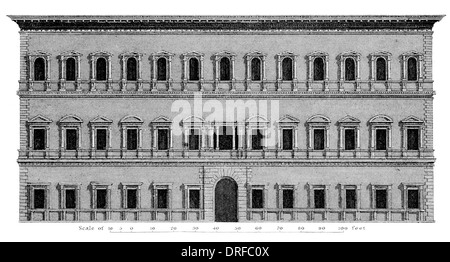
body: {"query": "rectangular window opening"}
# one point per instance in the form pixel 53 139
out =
pixel 71 139
pixel 39 198
pixel 163 197
pixel 413 198
pixel 381 139
pixel 194 198
pixel 257 139
pixel 132 198
pixel 163 139
pixel 194 139
pixel 381 199
pixel 101 139
pixel 132 139
pixel 288 198
pixel 413 139
pixel 319 198
pixel 226 138
pixel 350 198
pixel 39 139
pixel 319 139
pixel 288 139
pixel 350 139
pixel 257 198
pixel 102 196
pixel 71 201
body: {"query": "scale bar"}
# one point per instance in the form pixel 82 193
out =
pixel 227 232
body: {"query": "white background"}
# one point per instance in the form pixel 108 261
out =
pixel 12 230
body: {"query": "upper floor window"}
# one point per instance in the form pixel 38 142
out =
pixel 224 136
pixel 380 132
pixel 318 66
pixel 162 133
pixel 412 129
pixel 70 126
pixel 255 66
pixel 288 132
pixel 193 128
pixel 318 132
pixel 286 65
pixel 39 195
pixel 38 65
pixel 131 132
pixel 349 133
pixel 100 133
pixel 412 66
pixel 257 132
pixel 224 66
pixel 193 66
pixel 100 66
pixel 131 63
pixel 350 66
pixel 162 64
pixel 39 127
pixel 70 64
pixel 380 66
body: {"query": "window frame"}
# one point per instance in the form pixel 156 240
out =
pixel 311 201
pixel 420 63
pixel 373 66
pixel 124 187
pixel 96 186
pixel 349 122
pixel 256 122
pixel 42 186
pixel 161 122
pixel 38 122
pixel 412 122
pixel 217 57
pixel 214 131
pixel 388 189
pixel 158 186
pixel 416 186
pixel 311 58
pixel 32 56
pixel 93 57
pixel 63 57
pixel 248 64
pixel 280 57
pixel 186 195
pixel 100 122
pixel 357 58
pixel 154 57
pixel 380 122
pixel 343 195
pixel 62 195
pixel 186 57
pixel 318 122
pixel 70 122
pixel 194 122
pixel 131 122
pixel 280 201
pixel 264 188
pixel 288 122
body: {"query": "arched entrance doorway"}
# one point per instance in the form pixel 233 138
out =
pixel 226 200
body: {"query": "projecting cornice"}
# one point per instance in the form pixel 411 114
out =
pixel 225 23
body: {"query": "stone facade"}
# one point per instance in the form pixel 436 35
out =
pixel 359 183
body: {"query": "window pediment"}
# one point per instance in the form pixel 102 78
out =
pixel 381 119
pixel 224 54
pixel 101 120
pixel 286 54
pixel 100 54
pixel 131 120
pixel 412 120
pixel 317 54
pixel 39 119
pixel 350 54
pixel 39 53
pixel 161 120
pixel 257 119
pixel 162 53
pixel 130 54
pixel 287 119
pixel 71 119
pixel 192 54
pixel 380 53
pixel 70 53
pixel 411 53
pixel 318 119
pixel 193 119
pixel 255 54
pixel 349 120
